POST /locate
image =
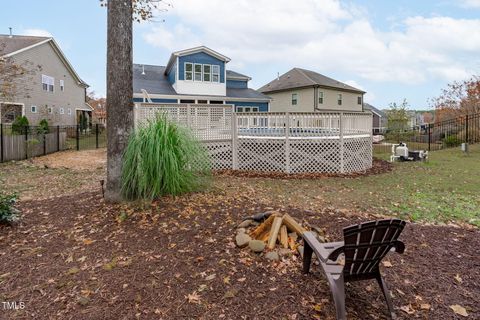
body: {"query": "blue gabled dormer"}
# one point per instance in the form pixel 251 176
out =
pixel 237 80
pixel 198 70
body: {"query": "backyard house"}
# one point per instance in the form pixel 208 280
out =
pixel 55 92
pixel 379 119
pixel 196 76
pixel 301 90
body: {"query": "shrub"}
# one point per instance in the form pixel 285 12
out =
pixel 452 141
pixel 162 158
pixel 18 126
pixel 8 213
pixel 43 127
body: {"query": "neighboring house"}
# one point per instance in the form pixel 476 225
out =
pixel 196 76
pixel 301 90
pixel 99 107
pixel 380 119
pixel 412 119
pixel 56 92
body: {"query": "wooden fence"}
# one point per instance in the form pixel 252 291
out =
pixel 19 147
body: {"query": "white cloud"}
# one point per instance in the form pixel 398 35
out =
pixel 471 3
pixel 369 96
pixel 37 33
pixel 325 36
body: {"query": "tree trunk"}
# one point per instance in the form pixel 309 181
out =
pixel 119 92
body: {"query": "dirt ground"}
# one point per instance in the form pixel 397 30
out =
pixel 72 159
pixel 74 257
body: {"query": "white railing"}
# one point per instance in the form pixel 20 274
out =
pixel 290 142
pixel 207 122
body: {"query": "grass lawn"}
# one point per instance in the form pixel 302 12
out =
pixel 444 189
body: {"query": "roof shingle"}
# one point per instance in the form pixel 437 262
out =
pixel 11 44
pixel 299 78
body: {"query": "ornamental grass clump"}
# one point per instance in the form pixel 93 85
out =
pixel 163 158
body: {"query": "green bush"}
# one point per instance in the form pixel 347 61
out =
pixel 18 126
pixel 8 213
pixel 43 127
pixel 163 158
pixel 452 141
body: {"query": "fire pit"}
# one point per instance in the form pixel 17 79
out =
pixel 277 236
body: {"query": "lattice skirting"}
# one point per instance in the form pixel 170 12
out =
pixel 300 156
pixel 221 155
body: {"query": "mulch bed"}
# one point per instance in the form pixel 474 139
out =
pixel 379 166
pixel 74 257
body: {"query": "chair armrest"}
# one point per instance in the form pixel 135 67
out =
pixel 399 246
pixel 323 251
pixel 335 253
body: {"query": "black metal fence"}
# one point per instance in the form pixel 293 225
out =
pixel 19 143
pixel 436 136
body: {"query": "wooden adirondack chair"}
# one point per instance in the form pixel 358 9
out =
pixel 364 246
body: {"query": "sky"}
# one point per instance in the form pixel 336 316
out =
pixel 393 50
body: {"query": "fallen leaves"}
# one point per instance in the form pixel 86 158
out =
pixel 387 264
pixel 458 278
pixel 73 271
pixel 230 294
pixel 193 298
pixel 458 309
pixel 408 309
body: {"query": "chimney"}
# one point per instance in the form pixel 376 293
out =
pixel 143 70
pixel 11 34
pixel 278 75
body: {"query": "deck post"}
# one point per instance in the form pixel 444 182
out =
pixel 287 142
pixel 234 141
pixel 342 144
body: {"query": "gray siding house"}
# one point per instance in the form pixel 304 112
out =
pixel 301 90
pixel 55 92
pixel 379 119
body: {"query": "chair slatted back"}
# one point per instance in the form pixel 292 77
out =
pixel 366 244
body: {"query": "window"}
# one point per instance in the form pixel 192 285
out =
pixel 62 111
pixel 198 72
pixel 215 73
pixel 202 101
pixel 207 72
pixel 247 109
pixel 48 83
pixel 33 109
pixel 62 85
pixel 69 111
pixel 320 97
pixel 188 71
pixel 339 99
pixel 50 110
pixel 359 100
pixel 294 99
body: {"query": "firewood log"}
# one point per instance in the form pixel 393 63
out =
pixel 284 236
pixel 293 225
pixel 255 234
pixel 277 223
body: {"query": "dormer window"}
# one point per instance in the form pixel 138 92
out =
pixel 207 72
pixel 188 71
pixel 198 72
pixel 215 73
